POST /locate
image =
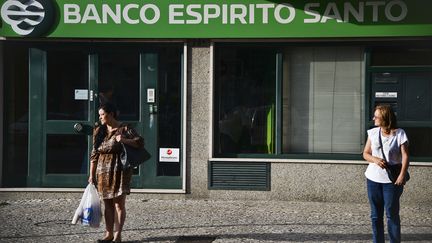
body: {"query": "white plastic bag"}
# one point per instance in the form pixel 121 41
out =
pixel 89 209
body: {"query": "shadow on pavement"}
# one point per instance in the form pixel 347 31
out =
pixel 287 237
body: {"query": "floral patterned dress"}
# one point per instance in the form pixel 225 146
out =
pixel 112 180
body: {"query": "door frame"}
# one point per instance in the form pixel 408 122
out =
pixel 183 144
pixel 37 69
pixel 38 123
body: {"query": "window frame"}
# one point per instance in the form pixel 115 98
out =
pixel 329 157
pixel 278 109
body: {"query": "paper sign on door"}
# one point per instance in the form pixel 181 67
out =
pixel 169 155
pixel 81 94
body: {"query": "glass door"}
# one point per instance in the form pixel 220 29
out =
pixel 119 82
pixel 62 115
pixel 67 84
pixel 145 87
pixel 162 92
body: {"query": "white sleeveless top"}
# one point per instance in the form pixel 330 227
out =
pixel 391 146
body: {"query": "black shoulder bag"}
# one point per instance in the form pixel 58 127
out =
pixel 131 157
pixel 393 171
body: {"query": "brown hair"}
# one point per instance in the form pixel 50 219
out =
pixel 388 117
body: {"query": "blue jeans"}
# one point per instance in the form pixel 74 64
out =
pixel 385 196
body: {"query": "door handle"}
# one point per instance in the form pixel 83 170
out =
pixel 78 127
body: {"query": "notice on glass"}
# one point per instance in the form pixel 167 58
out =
pixel 169 155
pixel 81 94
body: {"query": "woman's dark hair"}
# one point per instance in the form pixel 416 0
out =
pixel 102 131
pixel 109 108
pixel 99 137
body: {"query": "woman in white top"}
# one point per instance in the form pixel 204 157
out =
pixel 382 193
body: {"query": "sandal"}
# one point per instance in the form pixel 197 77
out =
pixel 105 241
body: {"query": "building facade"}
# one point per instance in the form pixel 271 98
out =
pixel 252 99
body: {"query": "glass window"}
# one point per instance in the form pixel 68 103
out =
pixel 16 102
pixel 321 96
pixel 245 100
pixel 420 141
pixel 169 106
pixel 66 73
pixel 119 77
pixel 74 146
pixel 417 55
pixel 322 100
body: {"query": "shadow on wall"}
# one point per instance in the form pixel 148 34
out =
pixel 363 12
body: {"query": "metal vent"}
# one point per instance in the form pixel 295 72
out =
pixel 239 176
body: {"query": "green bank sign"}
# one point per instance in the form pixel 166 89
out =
pixel 215 19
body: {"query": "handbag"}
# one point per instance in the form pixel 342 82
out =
pixel 131 157
pixel 393 171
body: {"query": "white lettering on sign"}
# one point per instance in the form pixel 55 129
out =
pixel 265 11
pixel 126 11
pixel 331 12
pixel 71 14
pixel 191 11
pixel 114 15
pixel 153 10
pixel 394 11
pixel 212 11
pixel 193 14
pixel 229 14
pixel 385 94
pixel 147 14
pixel 91 14
pixel 399 5
pixel 173 14
pixel 238 11
pixel 310 12
pixel 283 8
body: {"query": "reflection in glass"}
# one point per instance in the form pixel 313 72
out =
pixel 414 55
pixel 66 154
pixel 16 103
pixel 245 81
pixel 169 110
pixel 420 141
pixel 119 78
pixel 67 73
pixel 417 101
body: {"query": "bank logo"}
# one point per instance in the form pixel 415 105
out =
pixel 28 17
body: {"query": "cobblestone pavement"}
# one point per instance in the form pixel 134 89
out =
pixel 48 220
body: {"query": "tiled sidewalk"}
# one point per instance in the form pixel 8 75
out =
pixel 48 220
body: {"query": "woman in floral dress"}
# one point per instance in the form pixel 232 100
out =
pixel 113 182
